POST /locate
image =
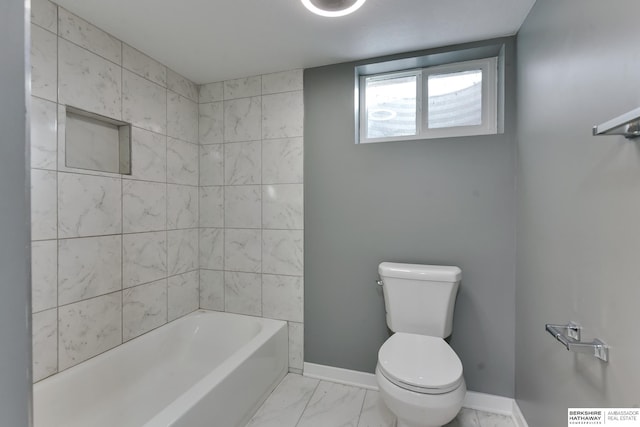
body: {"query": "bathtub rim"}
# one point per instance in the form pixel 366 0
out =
pixel 187 400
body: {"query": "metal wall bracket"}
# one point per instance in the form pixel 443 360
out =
pixel 569 335
pixel 627 125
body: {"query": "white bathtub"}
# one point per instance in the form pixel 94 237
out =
pixel 204 370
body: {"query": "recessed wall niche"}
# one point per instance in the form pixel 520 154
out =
pixel 97 143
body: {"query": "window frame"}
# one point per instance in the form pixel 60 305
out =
pixel 489 122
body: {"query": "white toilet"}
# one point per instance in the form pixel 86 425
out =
pixel 419 375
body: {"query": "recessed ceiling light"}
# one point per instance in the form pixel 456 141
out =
pixel 332 8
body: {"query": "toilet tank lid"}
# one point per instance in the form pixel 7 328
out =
pixel 436 273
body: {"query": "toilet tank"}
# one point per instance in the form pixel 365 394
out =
pixel 419 298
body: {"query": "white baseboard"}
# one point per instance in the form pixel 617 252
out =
pixel 340 375
pixel 518 418
pixel 473 400
pixel 488 403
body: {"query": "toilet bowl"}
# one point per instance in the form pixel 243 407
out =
pixel 418 373
pixel 420 380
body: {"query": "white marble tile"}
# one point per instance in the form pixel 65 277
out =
pixel 242 250
pixel 148 156
pixel 296 345
pixel 465 418
pixel 182 162
pixel 144 103
pixel 242 119
pixel 333 405
pixel 45 344
pixel 282 115
pixel 88 267
pixel 285 404
pixel 285 81
pixel 44 134
pixel 182 206
pixel 88 205
pixel 88 81
pixel 375 413
pixel 212 248
pixel 282 297
pixel 143 65
pixel 43 205
pixel 282 252
pixel 144 257
pixel 242 163
pixel 242 293
pixel 44 64
pixel 487 419
pixel 211 92
pixel 211 165
pixel 182 118
pixel 144 206
pixel 242 206
pixel 212 290
pixel 144 308
pixel 82 33
pixel 282 161
pixel 44 275
pixel 183 251
pixel 211 123
pixel 211 206
pixel 242 88
pixel 88 328
pixel 283 206
pixel 45 14
pixel 181 85
pixel 184 294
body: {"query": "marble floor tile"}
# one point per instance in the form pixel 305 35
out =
pixel 294 403
pixel 333 405
pixel 465 418
pixel 375 413
pixel 487 419
pixel 285 405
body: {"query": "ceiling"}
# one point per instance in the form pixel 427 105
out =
pixel 214 40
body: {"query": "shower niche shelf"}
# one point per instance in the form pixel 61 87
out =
pixel 91 142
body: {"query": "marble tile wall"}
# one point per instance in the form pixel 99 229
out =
pixel 113 256
pixel 251 200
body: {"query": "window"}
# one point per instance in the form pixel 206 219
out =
pixel 458 99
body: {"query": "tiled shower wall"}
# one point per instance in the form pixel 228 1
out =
pixel 113 256
pixel 251 200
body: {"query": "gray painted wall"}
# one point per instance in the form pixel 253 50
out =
pixel 15 334
pixel 442 201
pixel 578 204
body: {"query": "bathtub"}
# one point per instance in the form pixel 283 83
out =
pixel 206 369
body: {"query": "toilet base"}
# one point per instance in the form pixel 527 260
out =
pixel 400 423
pixel 420 410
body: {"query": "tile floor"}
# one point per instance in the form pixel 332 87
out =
pixel 306 402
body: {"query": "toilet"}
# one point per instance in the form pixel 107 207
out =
pixel 418 373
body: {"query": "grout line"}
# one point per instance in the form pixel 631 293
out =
pixel 362 406
pixel 122 201
pixel 199 174
pixel 57 80
pixel 308 401
pixel 262 211
pixel 166 181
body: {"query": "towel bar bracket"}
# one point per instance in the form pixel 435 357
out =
pixel 570 336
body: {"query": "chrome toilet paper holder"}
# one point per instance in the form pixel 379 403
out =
pixel 569 335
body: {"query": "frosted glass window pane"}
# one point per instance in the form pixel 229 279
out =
pixel 391 106
pixel 455 99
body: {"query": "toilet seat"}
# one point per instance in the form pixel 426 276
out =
pixel 420 363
